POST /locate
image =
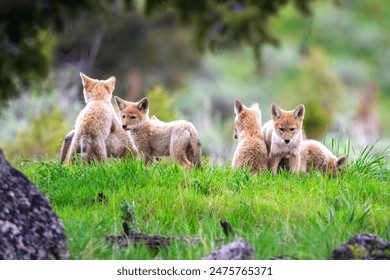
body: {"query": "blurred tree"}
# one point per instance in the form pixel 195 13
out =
pixel 28 31
pixel 139 52
pixel 220 23
pixel 25 54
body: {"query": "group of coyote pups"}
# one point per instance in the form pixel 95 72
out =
pixel 99 134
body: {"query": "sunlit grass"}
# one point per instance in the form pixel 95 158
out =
pixel 304 217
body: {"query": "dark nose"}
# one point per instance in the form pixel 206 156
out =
pixel 124 126
pixel 286 141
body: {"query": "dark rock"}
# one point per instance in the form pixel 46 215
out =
pixel 238 249
pixel 29 229
pixel 364 246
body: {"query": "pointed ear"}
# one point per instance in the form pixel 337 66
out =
pixel 143 104
pixel 111 82
pixel 275 111
pixel 85 80
pixel 299 112
pixel 255 105
pixel 238 106
pixel 120 102
pixel 341 162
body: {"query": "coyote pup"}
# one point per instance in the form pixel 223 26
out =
pixel 97 132
pixel 155 138
pixel 316 155
pixel 251 150
pixel 283 137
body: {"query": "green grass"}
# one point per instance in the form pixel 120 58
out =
pixel 304 217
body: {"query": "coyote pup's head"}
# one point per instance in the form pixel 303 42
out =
pixel 337 167
pixel 287 124
pixel 247 119
pixel 133 113
pixel 97 89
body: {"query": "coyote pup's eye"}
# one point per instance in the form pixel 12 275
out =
pixel 123 116
pixel 281 129
pixel 292 128
pixel 133 117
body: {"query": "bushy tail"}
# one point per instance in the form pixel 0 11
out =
pixel 65 146
pixel 90 149
pixel 196 149
pixel 85 148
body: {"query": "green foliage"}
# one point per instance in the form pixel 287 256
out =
pixel 317 120
pixel 353 33
pixel 161 104
pixel 218 21
pixel 29 63
pixel 139 52
pixel 304 217
pixel 41 138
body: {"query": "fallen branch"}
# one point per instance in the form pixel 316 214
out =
pixel 153 242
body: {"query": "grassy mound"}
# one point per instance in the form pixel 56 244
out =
pixel 304 216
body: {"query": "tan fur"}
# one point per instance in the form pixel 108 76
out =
pixel 283 137
pixel 251 150
pixel 118 144
pixel 317 156
pixel 155 138
pixel 98 132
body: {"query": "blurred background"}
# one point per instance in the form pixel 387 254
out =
pixel 193 59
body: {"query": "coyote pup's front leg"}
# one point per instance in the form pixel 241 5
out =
pixel 274 163
pixel 294 163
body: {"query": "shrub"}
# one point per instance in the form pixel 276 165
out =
pixel 162 104
pixel 42 137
